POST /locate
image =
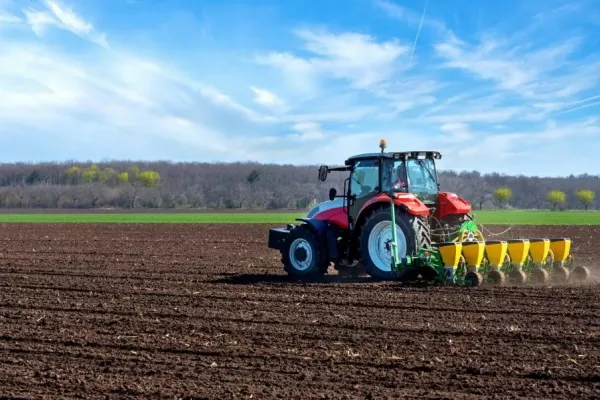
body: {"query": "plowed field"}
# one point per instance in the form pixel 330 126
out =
pixel 166 311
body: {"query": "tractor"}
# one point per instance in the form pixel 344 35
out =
pixel 436 238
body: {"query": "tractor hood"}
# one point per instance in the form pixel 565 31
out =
pixel 326 205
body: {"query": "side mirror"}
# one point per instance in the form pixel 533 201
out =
pixel 323 171
pixel 332 193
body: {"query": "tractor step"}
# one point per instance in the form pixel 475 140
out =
pixel 277 237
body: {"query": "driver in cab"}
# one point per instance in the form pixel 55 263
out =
pixel 400 184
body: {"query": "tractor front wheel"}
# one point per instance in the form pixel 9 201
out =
pixel 302 255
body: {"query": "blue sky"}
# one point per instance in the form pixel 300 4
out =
pixel 510 87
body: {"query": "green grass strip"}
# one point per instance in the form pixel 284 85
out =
pixel 483 217
pixel 537 217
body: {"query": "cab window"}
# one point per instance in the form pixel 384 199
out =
pixel 365 178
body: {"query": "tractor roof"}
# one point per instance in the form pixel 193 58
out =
pixel 402 155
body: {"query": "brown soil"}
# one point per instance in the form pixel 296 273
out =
pixel 176 311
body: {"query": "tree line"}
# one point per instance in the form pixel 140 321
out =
pixel 250 185
pixel 557 199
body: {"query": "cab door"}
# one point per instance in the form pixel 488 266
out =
pixel 364 185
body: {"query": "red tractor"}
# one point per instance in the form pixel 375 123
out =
pixel 353 230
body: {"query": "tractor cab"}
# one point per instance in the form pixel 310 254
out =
pixel 373 174
pixel 405 172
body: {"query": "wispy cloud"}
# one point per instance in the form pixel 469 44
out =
pixel 102 103
pixel 307 131
pixel 6 18
pixel 353 57
pixel 512 68
pixel 588 102
pixel 410 16
pixel 64 18
pixel 267 99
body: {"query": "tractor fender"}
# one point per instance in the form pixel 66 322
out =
pixel 405 202
pixel 411 205
pixel 451 204
pixel 325 233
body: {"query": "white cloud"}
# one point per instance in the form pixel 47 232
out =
pixel 6 18
pixel 307 131
pixel 45 91
pixel 353 57
pixel 579 107
pixel 299 74
pixel 357 62
pixel 64 18
pixel 525 152
pixel 516 69
pixel 501 114
pixel 222 99
pixel 457 132
pixel 354 114
pixel 142 76
pixel 266 98
pixel 408 94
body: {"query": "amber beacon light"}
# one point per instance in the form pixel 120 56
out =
pixel 382 144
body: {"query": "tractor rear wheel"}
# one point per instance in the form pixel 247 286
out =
pixel 302 255
pixel 376 236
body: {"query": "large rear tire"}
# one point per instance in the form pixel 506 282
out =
pixel 303 256
pixel 375 253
